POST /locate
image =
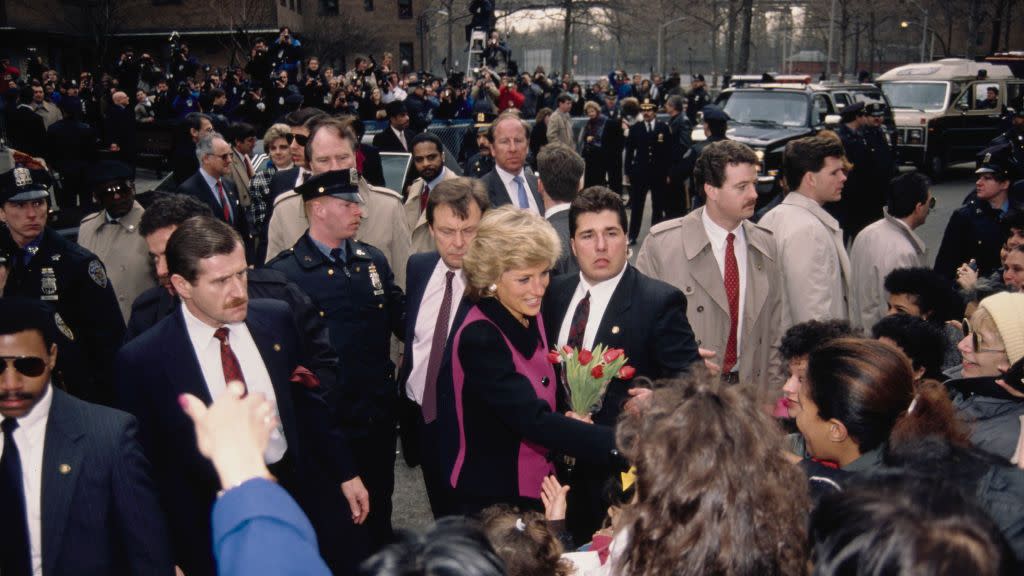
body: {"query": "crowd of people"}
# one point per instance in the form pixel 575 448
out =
pixel 215 380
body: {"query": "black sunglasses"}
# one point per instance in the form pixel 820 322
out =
pixel 30 366
pixel 297 137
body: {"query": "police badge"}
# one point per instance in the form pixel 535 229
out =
pixel 661 138
pixel 48 285
pixel 22 177
pixel 98 273
pixel 378 288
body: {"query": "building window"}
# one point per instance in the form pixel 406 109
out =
pixel 284 3
pixel 368 5
pixel 291 5
pixel 405 54
pixel 298 6
pixel 328 6
pixel 405 9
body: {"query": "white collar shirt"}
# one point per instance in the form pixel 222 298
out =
pixel 257 379
pixel 400 134
pixel 718 238
pixel 555 210
pixel 600 295
pixel 426 319
pixel 30 436
pixel 212 183
pixel 513 190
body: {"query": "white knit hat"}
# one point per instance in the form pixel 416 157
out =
pixel 1007 309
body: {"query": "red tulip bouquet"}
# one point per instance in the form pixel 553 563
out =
pixel 587 374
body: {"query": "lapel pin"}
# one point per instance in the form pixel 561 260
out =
pixel 615 329
pixel 277 347
pixel 64 469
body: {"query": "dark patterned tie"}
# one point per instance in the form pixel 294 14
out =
pixel 424 197
pixel 224 205
pixel 579 322
pixel 437 351
pixel 228 360
pixel 732 291
pixel 15 550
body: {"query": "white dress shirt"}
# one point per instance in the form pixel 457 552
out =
pixel 718 237
pixel 600 296
pixel 555 210
pixel 426 318
pixel 257 379
pixel 513 190
pixel 401 138
pixel 30 436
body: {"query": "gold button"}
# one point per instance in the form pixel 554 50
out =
pixel 330 271
pixel 64 469
pixel 357 268
pixel 321 313
pixel 380 305
pixel 277 347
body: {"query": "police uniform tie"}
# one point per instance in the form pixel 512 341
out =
pixel 437 351
pixel 338 255
pixel 732 291
pixel 228 360
pixel 15 550
pixel 224 205
pixel 579 322
pixel 524 202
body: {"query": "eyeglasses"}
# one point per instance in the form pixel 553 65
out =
pixel 30 366
pixel 224 157
pixel 931 204
pixel 299 138
pixel 974 340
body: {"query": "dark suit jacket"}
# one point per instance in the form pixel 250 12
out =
pixel 645 317
pixel 120 129
pixel 26 131
pixel 160 364
pixel 567 261
pixel 70 146
pixel 100 511
pixel 373 169
pixel 282 181
pixel 387 141
pixel 197 187
pixel 648 154
pixel 499 195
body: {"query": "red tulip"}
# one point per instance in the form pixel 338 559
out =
pixel 611 355
pixel 554 357
pixel 585 356
pixel 567 349
pixel 597 371
pixel 627 372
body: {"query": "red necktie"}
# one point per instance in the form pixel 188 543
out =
pixel 424 197
pixel 579 323
pixel 225 206
pixel 732 291
pixel 228 360
pixel 437 351
pixel 248 166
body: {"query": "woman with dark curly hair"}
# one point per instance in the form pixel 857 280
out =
pixel 713 493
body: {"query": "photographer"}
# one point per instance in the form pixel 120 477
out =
pixel 278 93
pixel 149 73
pixel 286 55
pixel 509 95
pixel 183 65
pixel 496 48
pixel 394 89
pixel 314 86
pixel 252 110
pixel 485 94
pixel 259 67
pixel 533 93
pixel 126 70
pixel 144 113
pixel 161 100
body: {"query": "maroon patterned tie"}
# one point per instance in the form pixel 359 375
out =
pixel 224 202
pixel 424 197
pixel 228 360
pixel 437 351
pixel 732 291
pixel 579 322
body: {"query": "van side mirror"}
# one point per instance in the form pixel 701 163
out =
pixel 963 106
pixel 832 120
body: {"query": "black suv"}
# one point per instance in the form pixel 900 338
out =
pixel 767 116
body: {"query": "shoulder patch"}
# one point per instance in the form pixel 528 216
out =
pixel 98 273
pixel 63 327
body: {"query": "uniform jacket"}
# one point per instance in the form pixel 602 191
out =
pixel 973 231
pixel 362 306
pixel 100 510
pixel 560 129
pixel 27 131
pixel 419 232
pixel 163 359
pixel 387 141
pixel 74 282
pixel 123 251
pixel 679 252
pixel 478 165
pixel 861 203
pixel 499 194
pixel 382 225
pixel 648 154
pixel 683 156
pixel 815 269
pixel 880 248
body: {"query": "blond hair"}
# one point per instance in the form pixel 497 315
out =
pixel 507 239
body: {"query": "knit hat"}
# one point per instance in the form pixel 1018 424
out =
pixel 1007 309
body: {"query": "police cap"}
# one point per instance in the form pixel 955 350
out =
pixel 712 113
pixel 341 184
pixel 647 104
pixel 22 184
pixel 876 109
pixel 482 121
pixel 852 111
pixel 995 160
pixel 109 171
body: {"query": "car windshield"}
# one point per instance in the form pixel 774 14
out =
pixel 756 107
pixel 916 95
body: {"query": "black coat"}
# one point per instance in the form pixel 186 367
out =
pixel 26 131
pixel 197 187
pixel 387 141
pixel 120 130
pixel 648 154
pixel 973 232
pixel 499 194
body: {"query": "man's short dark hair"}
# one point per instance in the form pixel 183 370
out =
pixel 676 102
pixel 713 160
pixel 26 94
pixel 457 193
pixel 920 340
pixel 171 210
pixel 301 116
pixel 196 239
pixel 560 169
pixel 802 339
pixel 594 200
pixel 931 292
pixel 27 315
pixel 427 137
pixel 906 191
pixel 805 155
pixel 194 121
pixel 239 131
pixel 564 97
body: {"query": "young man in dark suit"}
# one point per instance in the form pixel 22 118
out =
pixel 218 335
pixel 561 179
pixel 611 303
pixel 396 137
pixel 434 307
pixel 76 495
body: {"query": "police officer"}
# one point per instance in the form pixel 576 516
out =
pixel 481 163
pixel 613 141
pixel 683 156
pixel 861 203
pixel 1014 138
pixel 113 232
pixel 697 98
pixel 67 277
pixel 883 158
pixel 715 123
pixel 648 156
pixel 354 288
pixel 974 231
